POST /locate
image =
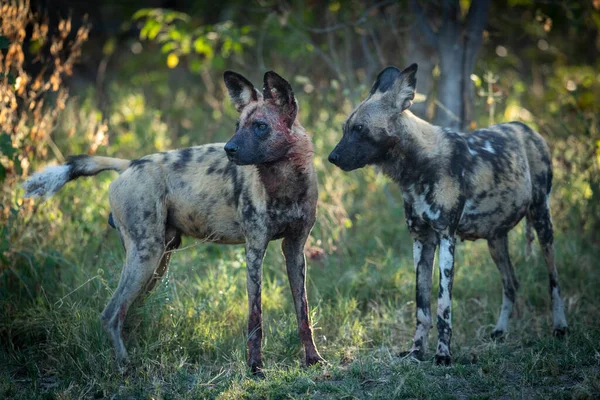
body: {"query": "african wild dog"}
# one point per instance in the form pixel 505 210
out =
pixel 477 185
pixel 260 186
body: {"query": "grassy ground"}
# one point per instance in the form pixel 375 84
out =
pixel 187 340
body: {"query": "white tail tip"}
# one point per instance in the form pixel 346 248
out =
pixel 47 182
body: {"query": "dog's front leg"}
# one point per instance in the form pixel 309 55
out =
pixel 444 311
pixel 293 250
pixel 424 254
pixel 255 252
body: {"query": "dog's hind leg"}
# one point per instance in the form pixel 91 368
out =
pixel 172 242
pixel 138 271
pixel 529 237
pixel 141 222
pixel 540 215
pixel 499 250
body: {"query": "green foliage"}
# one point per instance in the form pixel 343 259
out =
pixel 6 147
pixel 179 36
pixel 4 42
pixel 7 150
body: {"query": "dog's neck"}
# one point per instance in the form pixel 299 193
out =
pixel 292 176
pixel 415 145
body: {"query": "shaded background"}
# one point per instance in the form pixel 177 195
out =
pixel 128 78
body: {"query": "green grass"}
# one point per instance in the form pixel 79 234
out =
pixel 187 339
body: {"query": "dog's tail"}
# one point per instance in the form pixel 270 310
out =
pixel 529 237
pixel 49 181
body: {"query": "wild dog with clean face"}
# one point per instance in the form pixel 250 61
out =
pixel 474 186
pixel 260 186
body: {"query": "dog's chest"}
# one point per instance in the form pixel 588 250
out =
pixel 420 210
pixel 281 216
pixel 274 217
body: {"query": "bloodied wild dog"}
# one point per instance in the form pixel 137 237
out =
pixel 258 187
pixel 477 185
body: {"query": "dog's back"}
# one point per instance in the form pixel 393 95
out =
pixel 509 171
pixel 204 193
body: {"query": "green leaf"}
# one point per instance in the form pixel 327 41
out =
pixel 6 146
pixel 4 42
pixel 144 12
pixel 154 30
pixel 168 47
pixel 202 47
pixel 175 34
pixel 11 79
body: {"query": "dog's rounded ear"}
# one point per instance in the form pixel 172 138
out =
pixel 278 91
pixel 241 91
pixel 406 86
pixel 401 85
pixel 385 80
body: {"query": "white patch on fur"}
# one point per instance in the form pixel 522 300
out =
pixel 446 263
pixel 488 147
pixel 469 208
pixel 467 204
pixel 422 330
pixel 473 152
pixel 420 205
pixel 246 96
pixel 442 349
pixel 47 182
pixel 446 258
pixel 417 249
pixel 558 310
pixel 424 318
pixel 507 306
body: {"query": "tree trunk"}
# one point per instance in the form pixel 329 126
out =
pixel 450 102
pixel 419 51
pixel 457 43
pixel 476 22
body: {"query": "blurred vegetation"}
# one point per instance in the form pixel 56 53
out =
pixel 150 79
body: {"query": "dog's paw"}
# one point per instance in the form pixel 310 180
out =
pixel 497 335
pixel 257 371
pixel 443 359
pixel 561 332
pixel 316 360
pixel 415 354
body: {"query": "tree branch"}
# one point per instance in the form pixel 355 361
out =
pixel 360 20
pixel 423 23
pixel 477 17
pixel 451 10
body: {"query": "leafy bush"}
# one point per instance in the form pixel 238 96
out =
pixel 32 97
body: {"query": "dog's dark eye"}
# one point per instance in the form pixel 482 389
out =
pixel 358 128
pixel 261 129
